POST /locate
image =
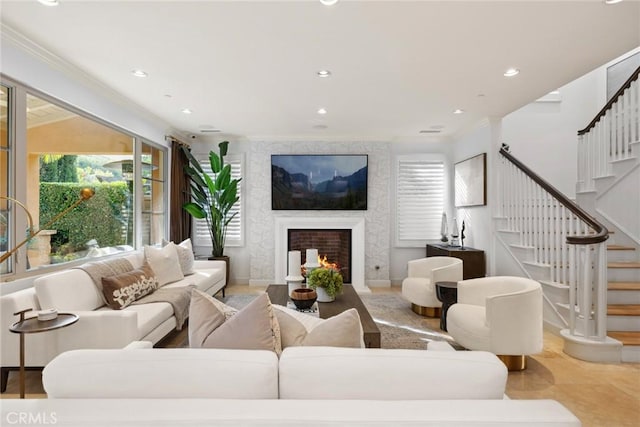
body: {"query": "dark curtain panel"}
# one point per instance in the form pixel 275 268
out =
pixel 180 228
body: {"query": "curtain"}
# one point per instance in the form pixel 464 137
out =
pixel 180 227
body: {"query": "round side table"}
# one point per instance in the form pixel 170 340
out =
pixel 32 325
pixel 447 293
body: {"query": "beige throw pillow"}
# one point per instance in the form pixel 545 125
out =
pixel 122 289
pixel 212 324
pixel 164 263
pixel 185 256
pixel 342 330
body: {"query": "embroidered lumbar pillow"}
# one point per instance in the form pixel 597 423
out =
pixel 122 289
pixel 212 325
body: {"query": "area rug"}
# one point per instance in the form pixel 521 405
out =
pixel 399 326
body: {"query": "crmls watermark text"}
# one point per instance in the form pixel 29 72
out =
pixel 31 418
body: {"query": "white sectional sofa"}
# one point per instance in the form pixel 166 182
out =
pixel 100 327
pixel 310 386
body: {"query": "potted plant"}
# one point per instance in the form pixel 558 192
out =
pixel 327 282
pixel 212 197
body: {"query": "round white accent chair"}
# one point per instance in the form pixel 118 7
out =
pixel 502 315
pixel 420 287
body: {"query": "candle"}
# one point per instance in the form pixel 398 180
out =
pixel 312 258
pixel 294 264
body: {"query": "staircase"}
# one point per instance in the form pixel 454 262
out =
pixel 591 285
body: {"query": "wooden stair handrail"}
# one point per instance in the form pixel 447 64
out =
pixel 612 101
pixel 602 233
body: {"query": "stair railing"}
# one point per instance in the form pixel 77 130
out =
pixel 609 136
pixel 564 237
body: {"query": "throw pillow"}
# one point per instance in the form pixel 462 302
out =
pixel 342 330
pixel 212 324
pixel 164 263
pixel 122 289
pixel 185 255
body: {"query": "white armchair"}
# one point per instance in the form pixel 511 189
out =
pixel 420 287
pixel 502 315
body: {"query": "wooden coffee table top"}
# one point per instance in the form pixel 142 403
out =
pixel 279 294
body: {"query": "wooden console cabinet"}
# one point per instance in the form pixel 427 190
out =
pixel 473 262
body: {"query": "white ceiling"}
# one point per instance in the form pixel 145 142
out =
pixel 249 67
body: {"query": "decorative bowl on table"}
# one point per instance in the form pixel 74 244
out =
pixel 303 298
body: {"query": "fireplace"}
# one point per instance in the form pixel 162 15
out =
pixel 353 224
pixel 334 244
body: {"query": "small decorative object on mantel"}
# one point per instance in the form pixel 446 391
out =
pixel 462 236
pixel 294 277
pixel 455 234
pixel 327 282
pixel 444 229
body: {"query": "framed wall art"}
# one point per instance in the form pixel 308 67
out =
pixel 470 179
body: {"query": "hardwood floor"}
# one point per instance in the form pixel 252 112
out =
pixel 598 394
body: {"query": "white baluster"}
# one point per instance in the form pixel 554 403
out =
pixel 626 122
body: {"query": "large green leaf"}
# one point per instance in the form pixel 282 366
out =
pixel 215 162
pixel 210 184
pixel 194 210
pixel 224 178
pixel 192 160
pixel 195 176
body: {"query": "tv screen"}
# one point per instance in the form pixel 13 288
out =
pixel 314 182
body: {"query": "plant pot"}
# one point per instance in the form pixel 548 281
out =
pixel 323 296
pixel 224 258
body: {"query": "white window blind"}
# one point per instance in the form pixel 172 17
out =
pixel 235 236
pixel 421 194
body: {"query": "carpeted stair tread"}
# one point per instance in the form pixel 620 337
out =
pixel 626 337
pixel 623 309
pixel 624 286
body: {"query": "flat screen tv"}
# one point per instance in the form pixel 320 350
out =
pixel 319 182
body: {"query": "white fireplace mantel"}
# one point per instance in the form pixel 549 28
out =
pixel 356 225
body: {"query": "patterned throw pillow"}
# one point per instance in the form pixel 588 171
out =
pixel 213 324
pixel 123 289
pixel 185 255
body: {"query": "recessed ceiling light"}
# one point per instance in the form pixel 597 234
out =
pixel 186 111
pixel 139 73
pixel 324 73
pixel 612 1
pixel 328 2
pixel 458 111
pixel 511 72
pixel 49 2
pixel 322 111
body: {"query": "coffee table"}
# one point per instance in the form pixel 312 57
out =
pixel 279 294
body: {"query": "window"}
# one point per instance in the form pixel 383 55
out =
pixel 235 234
pixel 421 199
pixel 6 222
pixel 61 151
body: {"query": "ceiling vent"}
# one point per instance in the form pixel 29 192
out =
pixel 430 131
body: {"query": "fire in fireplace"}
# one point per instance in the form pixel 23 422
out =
pixel 334 246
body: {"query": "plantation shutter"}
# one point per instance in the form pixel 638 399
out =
pixel 421 192
pixel 234 230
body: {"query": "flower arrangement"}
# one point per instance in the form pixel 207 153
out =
pixel 327 278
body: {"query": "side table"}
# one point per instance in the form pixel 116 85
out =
pixel 447 293
pixel 31 326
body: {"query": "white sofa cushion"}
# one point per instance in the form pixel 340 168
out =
pixel 185 255
pixel 70 289
pixel 163 373
pixel 164 263
pixel 149 315
pixel 385 374
pixel 202 279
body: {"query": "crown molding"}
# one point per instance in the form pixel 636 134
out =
pixel 74 73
